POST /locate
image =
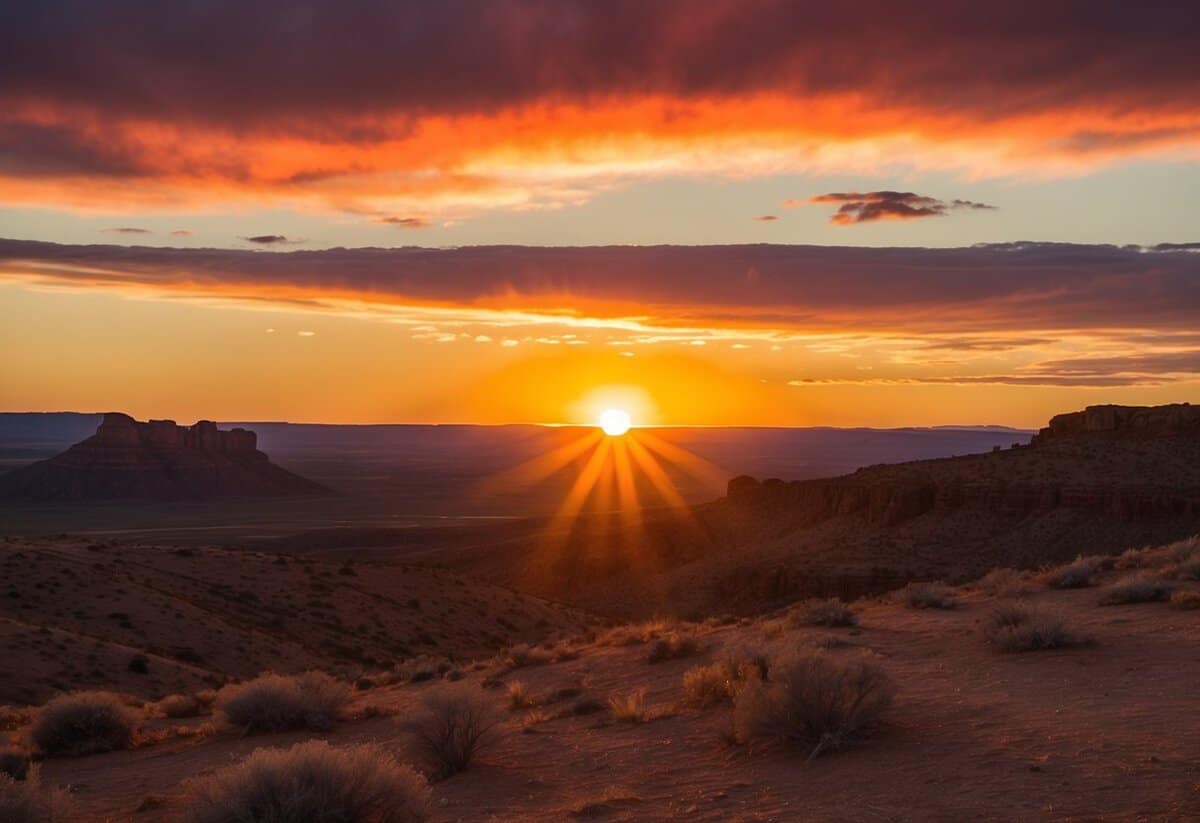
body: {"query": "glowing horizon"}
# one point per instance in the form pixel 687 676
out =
pixel 764 213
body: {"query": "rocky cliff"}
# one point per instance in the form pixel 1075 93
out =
pixel 127 459
pixel 1127 462
pixel 1095 481
pixel 1123 421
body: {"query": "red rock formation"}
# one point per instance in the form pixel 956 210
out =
pixel 157 459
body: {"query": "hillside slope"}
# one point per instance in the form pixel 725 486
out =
pixel 74 614
pixel 1101 732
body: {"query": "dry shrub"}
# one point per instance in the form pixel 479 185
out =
pixel 831 612
pixel 1182 551
pixel 519 697
pixel 813 701
pixel 928 596
pixel 1021 628
pixel 456 724
pixel 628 708
pixel 13 762
pixel 1188 569
pixel 274 702
pixel 312 781
pixel 1138 590
pixel 180 705
pixel 1185 600
pixel 673 647
pixel 28 801
pixel 522 655
pixel 635 634
pixel 1139 558
pixel 1078 574
pixel 1005 583
pixel 417 669
pixel 84 723
pixel 718 682
pixel 13 718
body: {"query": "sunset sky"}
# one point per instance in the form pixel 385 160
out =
pixel 529 211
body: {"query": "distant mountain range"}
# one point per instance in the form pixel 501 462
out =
pixel 368 458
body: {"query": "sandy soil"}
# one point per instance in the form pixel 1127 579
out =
pixel 1105 732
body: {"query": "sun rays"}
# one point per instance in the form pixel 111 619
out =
pixel 618 497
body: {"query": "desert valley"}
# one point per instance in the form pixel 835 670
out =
pixel 510 411
pixel 625 668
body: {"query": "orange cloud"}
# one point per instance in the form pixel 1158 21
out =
pixel 977 301
pixel 464 106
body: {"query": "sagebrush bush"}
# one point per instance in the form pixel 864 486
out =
pixel 813 701
pixel 928 596
pixel 1185 600
pixel 1078 574
pixel 1137 558
pixel 1021 628
pixel 718 682
pixel 180 705
pixel 522 655
pixel 635 634
pixel 28 801
pixel 628 708
pixel 456 723
pixel 831 612
pixel 312 782
pixel 1005 583
pixel 13 762
pixel 1139 590
pixel 274 702
pixel 519 697
pixel 83 723
pixel 1188 569
pixel 673 647
pixel 1183 550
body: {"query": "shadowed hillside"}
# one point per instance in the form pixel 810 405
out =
pixel 670 720
pixel 76 614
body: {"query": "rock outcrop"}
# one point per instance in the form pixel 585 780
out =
pixel 1095 481
pixel 127 459
pixel 1123 421
pixel 1128 462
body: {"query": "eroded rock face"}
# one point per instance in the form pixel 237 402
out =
pixel 1126 462
pixel 1123 420
pixel 127 459
pixel 121 430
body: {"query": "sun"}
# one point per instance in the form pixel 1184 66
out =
pixel 615 422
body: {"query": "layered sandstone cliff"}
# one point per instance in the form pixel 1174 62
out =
pixel 127 459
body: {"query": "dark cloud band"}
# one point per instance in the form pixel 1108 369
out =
pixel 1005 287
